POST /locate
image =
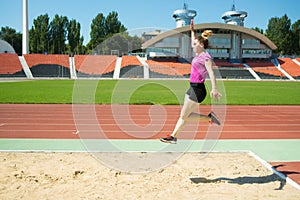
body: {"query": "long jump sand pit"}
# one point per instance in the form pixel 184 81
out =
pixel 42 175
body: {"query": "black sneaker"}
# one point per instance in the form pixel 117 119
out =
pixel 213 118
pixel 170 139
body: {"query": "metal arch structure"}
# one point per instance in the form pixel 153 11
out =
pixel 5 47
pixel 204 26
pixel 235 53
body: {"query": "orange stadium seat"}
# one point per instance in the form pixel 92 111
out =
pixel 265 67
pixel 228 70
pixel 130 61
pixel 48 65
pixel 131 67
pixel 10 64
pixel 50 59
pixel 171 68
pixel 95 64
pixel 225 63
pixel 290 66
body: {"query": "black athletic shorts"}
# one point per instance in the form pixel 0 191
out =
pixel 197 92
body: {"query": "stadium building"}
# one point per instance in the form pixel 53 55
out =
pixel 231 40
pixel 239 52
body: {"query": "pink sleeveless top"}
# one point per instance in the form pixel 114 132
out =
pixel 198 70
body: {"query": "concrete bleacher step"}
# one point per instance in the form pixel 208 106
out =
pixel 117 68
pixel 297 62
pixel 25 67
pixel 72 68
pixel 254 74
pixel 146 67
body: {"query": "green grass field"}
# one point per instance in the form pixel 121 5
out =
pixel 163 92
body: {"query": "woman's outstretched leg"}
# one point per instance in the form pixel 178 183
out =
pixel 187 115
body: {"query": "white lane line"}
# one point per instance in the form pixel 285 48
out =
pixel 277 172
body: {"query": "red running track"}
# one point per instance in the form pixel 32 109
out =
pixel 57 121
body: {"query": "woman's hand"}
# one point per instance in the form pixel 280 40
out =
pixel 192 25
pixel 215 94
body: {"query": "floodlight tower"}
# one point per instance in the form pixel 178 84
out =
pixel 234 17
pixel 183 17
pixel 25 43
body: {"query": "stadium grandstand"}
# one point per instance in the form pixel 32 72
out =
pixel 10 66
pixel 110 66
pixel 94 65
pixel 131 67
pixel 238 52
pixel 51 65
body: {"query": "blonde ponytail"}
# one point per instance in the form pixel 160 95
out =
pixel 204 38
pixel 206 34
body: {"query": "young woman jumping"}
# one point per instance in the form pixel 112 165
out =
pixel 201 66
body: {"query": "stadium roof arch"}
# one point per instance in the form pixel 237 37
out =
pixel 236 50
pixel 242 29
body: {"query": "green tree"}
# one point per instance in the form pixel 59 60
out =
pixel 102 28
pixel 296 37
pixel 39 35
pixel 98 31
pixel 117 42
pixel 74 37
pixel 113 25
pixel 279 32
pixel 13 37
pixel 135 44
pixel 123 43
pixel 258 30
pixel 58 34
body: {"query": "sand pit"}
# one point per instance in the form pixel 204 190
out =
pixel 193 176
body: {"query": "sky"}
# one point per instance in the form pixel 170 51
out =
pixel 143 15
